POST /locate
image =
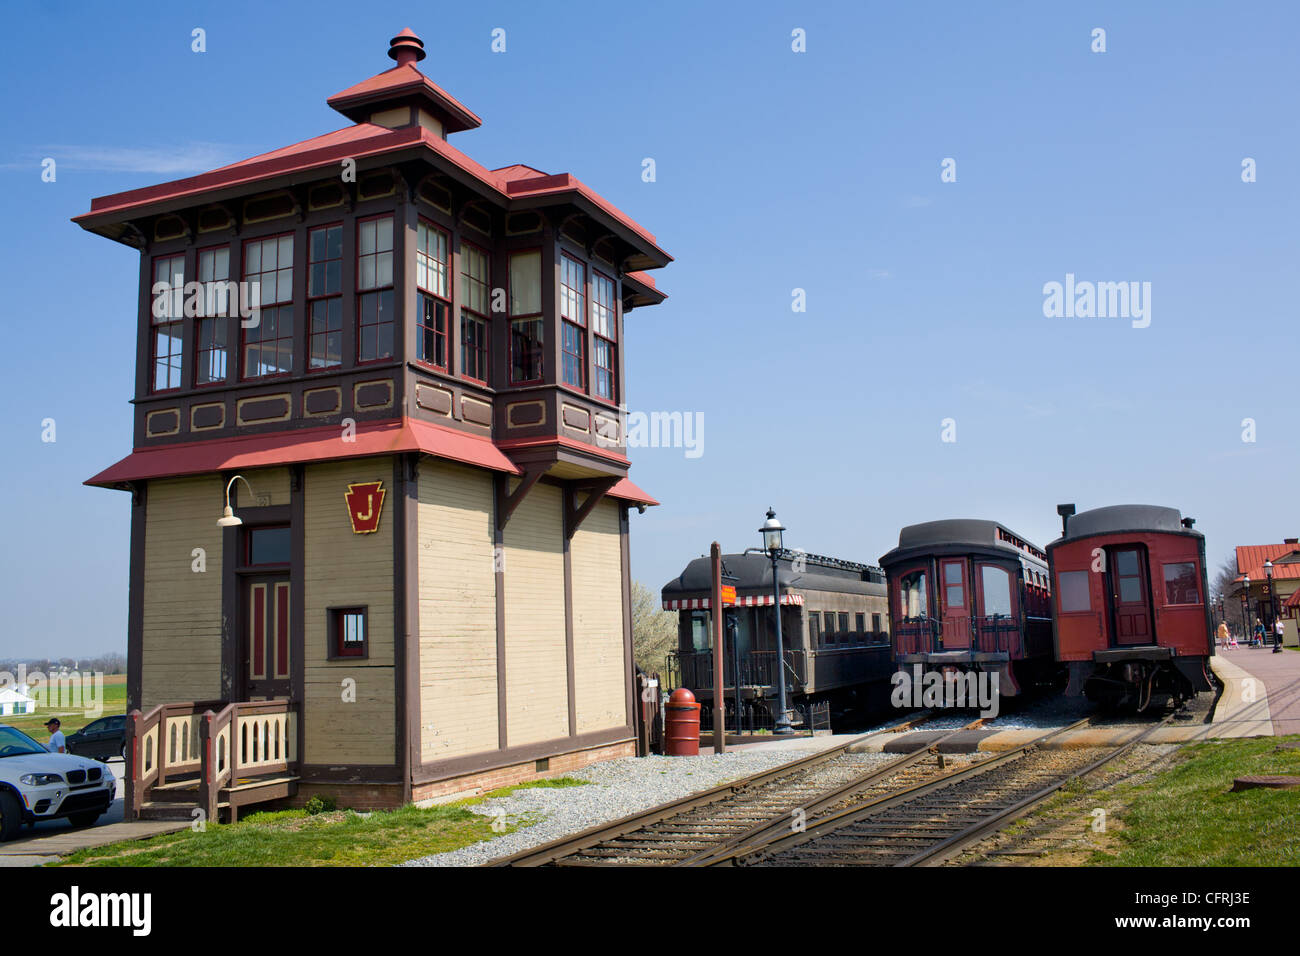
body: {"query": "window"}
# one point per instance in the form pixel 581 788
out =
pixel 1072 591
pixel 844 623
pixel 268 344
pixel 875 624
pixel 953 594
pixel 210 330
pixel 168 307
pixel 347 632
pixel 700 639
pixel 325 297
pixel 573 321
pixel 267 545
pixel 862 623
pixel 828 625
pixel 474 297
pixel 996 585
pixel 375 289
pixel 604 323
pixel 912 595
pixel 526 338
pixel 1128 573
pixel 1181 584
pixel 433 280
pixel 814 629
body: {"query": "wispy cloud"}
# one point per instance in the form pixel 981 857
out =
pixel 174 160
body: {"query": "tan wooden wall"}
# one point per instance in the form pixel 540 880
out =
pixel 270 487
pixel 537 694
pixel 458 616
pixel 343 569
pixel 181 654
pixel 599 675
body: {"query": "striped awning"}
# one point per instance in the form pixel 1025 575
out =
pixel 756 600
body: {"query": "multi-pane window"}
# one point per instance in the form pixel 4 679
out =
pixel 325 297
pixel 375 289
pixel 432 279
pixel 573 321
pixel 167 310
pixel 526 340
pixel 474 301
pixel 210 329
pixel 604 323
pixel 268 339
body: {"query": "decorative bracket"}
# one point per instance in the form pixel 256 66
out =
pixel 508 501
pixel 575 514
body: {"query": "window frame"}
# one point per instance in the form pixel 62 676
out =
pixel 168 322
pixel 216 317
pixel 311 300
pixel 376 290
pixel 1061 591
pixel 1196 578
pixel 335 617
pixel 483 322
pixel 530 317
pixel 573 325
pixel 277 305
pixel 610 341
pixel 444 297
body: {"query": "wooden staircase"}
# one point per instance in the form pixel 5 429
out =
pixel 208 759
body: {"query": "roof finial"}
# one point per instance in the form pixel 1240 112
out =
pixel 406 48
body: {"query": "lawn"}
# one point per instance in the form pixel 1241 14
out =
pixel 332 838
pixel 1188 816
pixel 72 713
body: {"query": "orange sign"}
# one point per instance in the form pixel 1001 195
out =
pixel 365 500
pixel 728 594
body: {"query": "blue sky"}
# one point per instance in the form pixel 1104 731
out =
pixel 775 171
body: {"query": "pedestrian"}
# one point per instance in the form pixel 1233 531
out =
pixel 1223 634
pixel 1278 630
pixel 1258 640
pixel 58 744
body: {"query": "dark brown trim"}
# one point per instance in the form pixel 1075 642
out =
pixel 629 660
pixel 406 594
pixel 508 501
pixel 495 759
pixel 231 684
pixel 135 600
pixel 298 598
pixel 575 516
pixel 499 561
pixel 566 499
pixel 401 720
pixel 349 773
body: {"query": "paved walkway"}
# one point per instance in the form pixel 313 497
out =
pixel 1280 676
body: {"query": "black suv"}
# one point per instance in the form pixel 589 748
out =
pixel 100 739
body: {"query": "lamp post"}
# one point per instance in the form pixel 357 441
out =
pixel 772 543
pixel 1245 608
pixel 228 517
pixel 1272 608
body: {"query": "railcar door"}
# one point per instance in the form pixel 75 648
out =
pixel 1130 596
pixel 996 614
pixel 956 604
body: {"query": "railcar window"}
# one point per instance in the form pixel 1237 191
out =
pixel 914 595
pixel 875 624
pixel 1181 585
pixel 997 590
pixel 1072 591
pixel 700 630
pixel 844 622
pixel 829 624
pixel 814 629
pixel 862 623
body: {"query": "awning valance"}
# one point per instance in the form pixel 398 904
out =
pixel 753 600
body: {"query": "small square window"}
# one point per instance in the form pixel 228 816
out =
pixel 348 632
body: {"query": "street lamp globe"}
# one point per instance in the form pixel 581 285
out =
pixel 771 532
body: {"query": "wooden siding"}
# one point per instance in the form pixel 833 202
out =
pixel 458 619
pixel 599 677
pixel 537 694
pixel 181 648
pixel 270 487
pixel 342 569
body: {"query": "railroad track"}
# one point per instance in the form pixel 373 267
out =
pixel 688 830
pixel 924 823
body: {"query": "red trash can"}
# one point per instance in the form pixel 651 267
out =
pixel 682 725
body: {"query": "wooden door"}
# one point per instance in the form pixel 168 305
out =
pixel 1130 596
pixel 956 603
pixel 266 642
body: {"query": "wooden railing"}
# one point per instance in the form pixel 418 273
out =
pixel 216 742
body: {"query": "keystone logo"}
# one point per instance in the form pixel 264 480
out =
pixel 365 500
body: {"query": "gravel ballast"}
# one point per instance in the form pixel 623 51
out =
pixel 616 788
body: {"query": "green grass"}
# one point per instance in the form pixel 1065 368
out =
pixel 72 718
pixel 552 783
pixel 295 838
pixel 1187 816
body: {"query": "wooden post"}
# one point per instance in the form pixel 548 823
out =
pixel 715 603
pixel 132 768
pixel 209 791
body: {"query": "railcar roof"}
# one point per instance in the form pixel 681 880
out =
pixel 752 573
pixel 953 535
pixel 1119 518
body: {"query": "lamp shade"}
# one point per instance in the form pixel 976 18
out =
pixel 772 532
pixel 228 519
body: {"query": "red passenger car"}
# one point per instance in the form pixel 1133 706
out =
pixel 1131 620
pixel 970 595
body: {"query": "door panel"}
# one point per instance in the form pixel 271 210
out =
pixel 956 604
pixel 1130 596
pixel 266 656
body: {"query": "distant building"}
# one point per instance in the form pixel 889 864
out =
pixel 1285 596
pixel 14 702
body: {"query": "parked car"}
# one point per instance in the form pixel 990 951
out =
pixel 100 739
pixel 38 785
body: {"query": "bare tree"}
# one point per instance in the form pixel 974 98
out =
pixel 654 631
pixel 1224 585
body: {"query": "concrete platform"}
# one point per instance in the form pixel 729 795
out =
pixel 1280 694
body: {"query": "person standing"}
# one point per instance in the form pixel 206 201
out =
pixel 1223 634
pixel 58 743
pixel 1278 630
pixel 1259 634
